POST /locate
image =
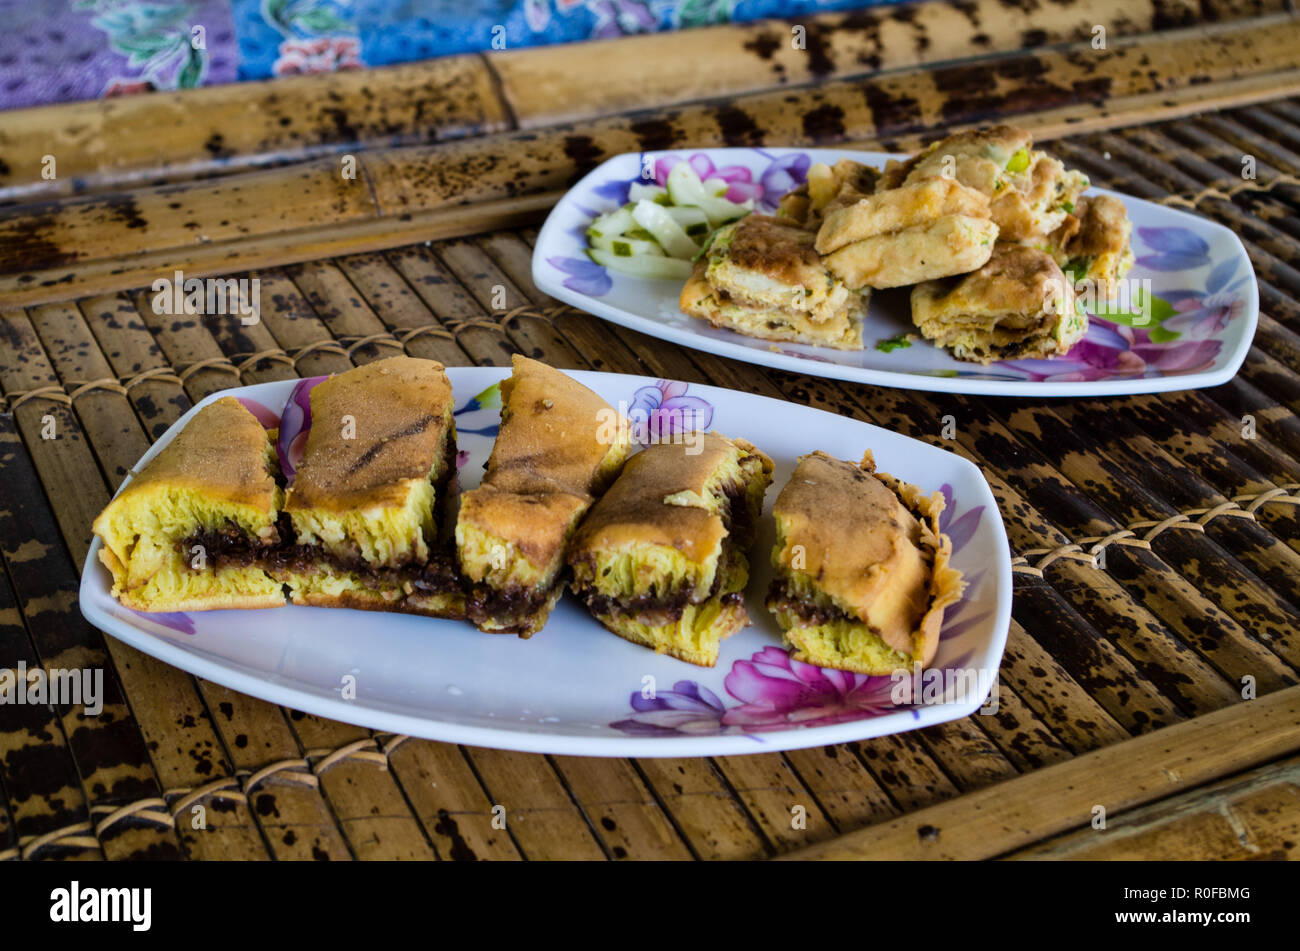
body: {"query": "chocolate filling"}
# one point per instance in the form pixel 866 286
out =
pixel 231 546
pixel 780 597
pixel 505 607
pixel 228 545
pixel 657 608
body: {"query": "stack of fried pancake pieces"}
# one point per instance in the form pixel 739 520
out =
pixel 654 542
pixel 991 234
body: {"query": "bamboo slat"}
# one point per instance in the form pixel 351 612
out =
pixel 1063 796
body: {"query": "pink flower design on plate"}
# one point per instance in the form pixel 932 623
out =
pixel 326 54
pixel 295 424
pixel 740 180
pixel 776 691
pixel 1200 318
pixel 268 417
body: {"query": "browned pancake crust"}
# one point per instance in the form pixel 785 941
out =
pixel 222 452
pixel 550 436
pixel 399 408
pixel 633 510
pixel 774 247
pixel 1102 227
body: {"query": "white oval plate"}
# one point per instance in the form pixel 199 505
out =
pixel 1198 333
pixel 574 688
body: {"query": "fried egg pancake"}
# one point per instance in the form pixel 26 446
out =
pixel 762 277
pixel 952 244
pixel 1018 305
pixel 1101 251
pixel 826 186
pixel 1030 193
pixel 862 571
pixel 661 559
pixel 908 206
pixel 842 331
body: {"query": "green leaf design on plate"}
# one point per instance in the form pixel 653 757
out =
pixel 490 398
pixel 1161 310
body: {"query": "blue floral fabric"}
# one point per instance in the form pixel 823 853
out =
pixel 61 50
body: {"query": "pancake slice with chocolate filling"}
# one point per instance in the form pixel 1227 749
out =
pixel 661 559
pixel 863 574
pixel 186 533
pixel 372 492
pixel 559 447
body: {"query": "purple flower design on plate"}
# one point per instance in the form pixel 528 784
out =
pixel 784 174
pixel 1109 350
pixel 175 620
pixel 1177 249
pixel 295 423
pixel 959 529
pixel 687 709
pixel 659 411
pixel 586 277
pixel 1200 318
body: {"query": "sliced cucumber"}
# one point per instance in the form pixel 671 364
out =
pixel 687 215
pixel 685 187
pixel 625 247
pixel 670 235
pixel 648 266
pixel 638 191
pixel 721 211
pixel 614 223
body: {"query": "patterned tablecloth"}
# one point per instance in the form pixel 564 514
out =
pixel 67 50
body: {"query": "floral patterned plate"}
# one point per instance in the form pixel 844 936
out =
pixel 1204 302
pixel 575 688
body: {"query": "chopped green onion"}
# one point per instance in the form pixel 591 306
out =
pixel 894 343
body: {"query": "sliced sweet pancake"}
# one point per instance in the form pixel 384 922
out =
pixel 559 447
pixel 862 571
pixel 661 559
pixel 188 531
pixel 373 491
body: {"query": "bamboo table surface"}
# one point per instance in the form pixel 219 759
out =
pixel 1162 686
